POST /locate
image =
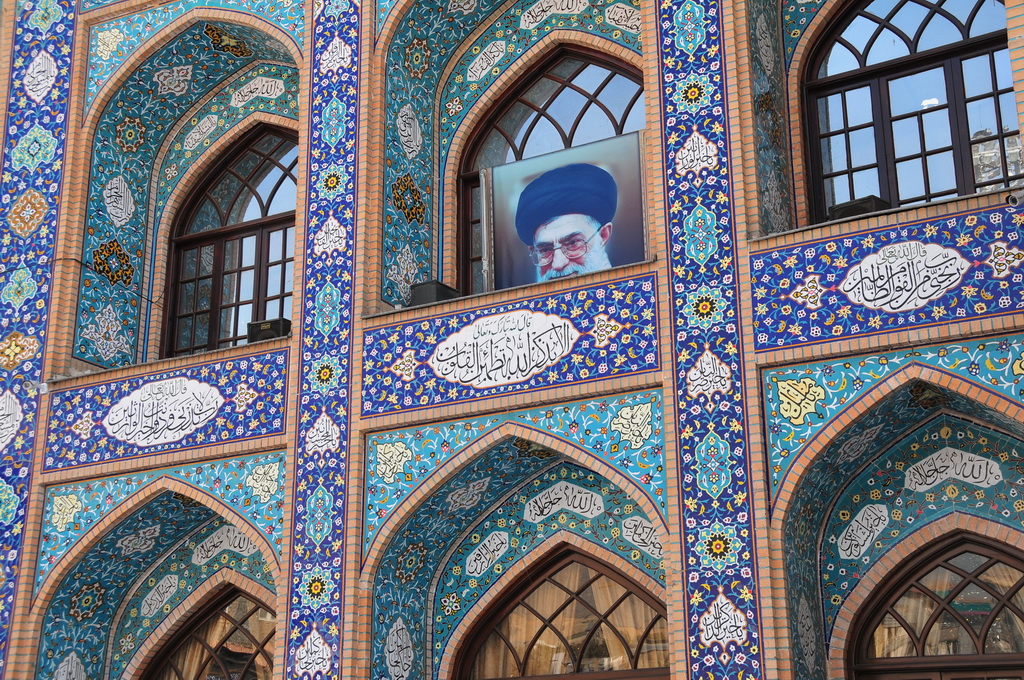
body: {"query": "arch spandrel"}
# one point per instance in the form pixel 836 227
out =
pixel 72 513
pixel 625 433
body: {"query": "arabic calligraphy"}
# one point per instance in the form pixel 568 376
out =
pixel 11 416
pixel 535 15
pixel 504 349
pixel 721 624
pixel 263 480
pixel 140 541
pixel 158 597
pixel 63 511
pixel 643 535
pixel 862 531
pixel 398 651
pixel 324 436
pixel 487 553
pixel 709 375
pixel 1003 258
pixel 799 398
pixel 409 133
pixel 330 237
pixel 313 655
pixel 623 16
pixel 228 537
pixel 485 61
pixel 200 132
pixel 261 86
pixel 40 76
pixel 563 496
pixel 118 200
pixel 70 668
pixel 163 411
pixel 634 423
pixel 904 276
pixel 391 458
pixel 949 463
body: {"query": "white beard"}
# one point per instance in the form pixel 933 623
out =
pixel 595 260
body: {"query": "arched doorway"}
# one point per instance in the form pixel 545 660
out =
pixel 954 613
pixel 572 615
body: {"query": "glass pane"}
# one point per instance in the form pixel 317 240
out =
pixel 938 32
pixel 604 652
pixel 941 581
pixel 248 251
pixel 941 172
pixel 520 627
pixel 494 660
pixel 1012 151
pixel 906 136
pixel 247 208
pixel 865 183
pixel 272 309
pixel 494 151
pixel 839 60
pixel 862 147
pixel 184 338
pixel 636 119
pixel 565 68
pixel 1006 635
pixel 206 261
pixel 573 576
pixel 1002 577
pixel 631 619
pixel 830 113
pixel 205 291
pixel 1004 76
pixel 274 280
pixel 891 640
pixel 229 289
pixel 276 239
pixel 833 153
pixel 231 254
pixel 269 177
pixel 225 190
pixel 887 46
pixel 548 656
pixel 574 623
pixel 543 139
pixel 590 78
pixel 974 604
pixel 858 106
pixel 245 289
pixel 288 283
pixel 981 118
pixel 602 594
pixel 202 328
pixel 968 561
pixel 881 8
pixel 566 107
pixel 909 18
pixel 286 308
pixel 915 607
pixel 185 295
pixel 917 92
pixel 227 323
pixel 936 129
pixel 654 653
pixel 991 17
pixel 188 264
pixel 240 643
pixel 289 242
pixel 246 164
pixel 977 75
pixel 910 177
pixel 206 218
pixel 837 190
pixel 517 121
pixel 617 94
pixel 987 160
pixel 478 276
pixel 859 32
pixel 595 125
pixel 1008 111
pixel 946 637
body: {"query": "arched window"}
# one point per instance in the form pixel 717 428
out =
pixel 234 638
pixel 577 615
pixel 958 612
pixel 910 101
pixel 232 252
pixel 571 99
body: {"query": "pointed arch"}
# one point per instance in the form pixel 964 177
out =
pixel 927 541
pixel 209 590
pixel 552 548
pixel 479 447
pixel 864 404
pixel 164 484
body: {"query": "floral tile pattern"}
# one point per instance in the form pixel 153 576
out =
pixel 113 42
pixel 580 335
pixel 252 485
pixel 803 400
pixel 627 432
pixel 427 585
pixel 174 577
pixel 220 401
pixel 927 273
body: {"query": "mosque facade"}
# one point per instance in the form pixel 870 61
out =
pixel 487 339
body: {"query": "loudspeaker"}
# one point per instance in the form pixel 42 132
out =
pixel 268 330
pixel 430 292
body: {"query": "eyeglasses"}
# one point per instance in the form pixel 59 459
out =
pixel 574 247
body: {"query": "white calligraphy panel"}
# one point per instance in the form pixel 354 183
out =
pixel 623 16
pixel 409 132
pixel 698 153
pixel 504 349
pixel 563 496
pixel 949 463
pixel 228 537
pixel 313 656
pixel 708 376
pixel 391 459
pixel 485 61
pixel 862 531
pixel 721 624
pixel 905 276
pixel 160 595
pixel 634 423
pixel 261 86
pixel 643 535
pixel 118 201
pixel 330 238
pixel 70 668
pixel 535 15
pixel 337 56
pixel 487 553
pixel 324 436
pixel 40 76
pixel 398 651
pixel 11 416
pixel 200 132
pixel 163 411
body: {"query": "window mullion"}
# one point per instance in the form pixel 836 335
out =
pixel 213 325
pixel 959 126
pixel 884 143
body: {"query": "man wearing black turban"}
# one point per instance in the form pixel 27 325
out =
pixel 565 216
